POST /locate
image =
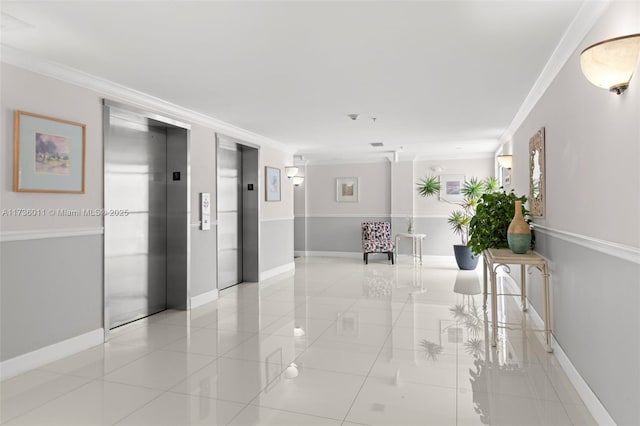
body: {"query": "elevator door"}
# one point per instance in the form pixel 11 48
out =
pixel 229 215
pixel 135 242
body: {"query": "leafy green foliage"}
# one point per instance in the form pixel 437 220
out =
pixel 488 227
pixel 429 186
pixel 472 189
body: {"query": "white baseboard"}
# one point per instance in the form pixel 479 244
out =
pixel 23 363
pixel 350 254
pixel 270 273
pixel 204 298
pixel 591 401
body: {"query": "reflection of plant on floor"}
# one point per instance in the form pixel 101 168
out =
pixel 432 350
pixel 471 317
pixel 475 347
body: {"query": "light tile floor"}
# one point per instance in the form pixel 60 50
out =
pixel 382 345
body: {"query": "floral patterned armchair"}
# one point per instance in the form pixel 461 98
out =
pixel 376 238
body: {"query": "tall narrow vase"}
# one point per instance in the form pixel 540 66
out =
pixel 518 233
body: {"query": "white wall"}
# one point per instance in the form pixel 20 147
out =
pixel 592 226
pixel 29 315
pixel 374 196
pixel 22 90
pixel 480 168
pixel 387 192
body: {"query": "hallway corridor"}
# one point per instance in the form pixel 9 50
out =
pixel 339 342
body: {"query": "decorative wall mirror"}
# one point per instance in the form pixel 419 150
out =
pixel 536 174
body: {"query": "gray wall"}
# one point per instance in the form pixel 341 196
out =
pixel 203 260
pixel 595 296
pixel 342 234
pixel 596 320
pixel 51 291
pixel 339 234
pixel 43 306
pixel 276 243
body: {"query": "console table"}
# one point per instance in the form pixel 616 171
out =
pixel 415 247
pixel 493 259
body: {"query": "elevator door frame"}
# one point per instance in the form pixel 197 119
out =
pixel 183 299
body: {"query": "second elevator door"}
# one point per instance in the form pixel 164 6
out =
pixel 229 215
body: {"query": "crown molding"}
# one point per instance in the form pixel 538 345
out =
pixel 107 88
pixel 587 16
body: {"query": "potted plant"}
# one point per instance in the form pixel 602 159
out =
pixel 460 219
pixel 494 213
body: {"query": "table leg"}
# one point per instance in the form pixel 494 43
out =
pixel 413 248
pixel 494 307
pixel 484 282
pixel 421 245
pixel 547 313
pixel 523 292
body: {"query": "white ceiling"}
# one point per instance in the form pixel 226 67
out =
pixel 440 77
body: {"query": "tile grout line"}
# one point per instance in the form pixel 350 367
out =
pixel 374 363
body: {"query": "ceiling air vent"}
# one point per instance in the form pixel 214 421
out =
pixel 376 144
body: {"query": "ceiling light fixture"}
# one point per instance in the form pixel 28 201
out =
pixel 354 117
pixel 610 63
pixel 505 161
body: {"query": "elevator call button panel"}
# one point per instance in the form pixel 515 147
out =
pixel 205 211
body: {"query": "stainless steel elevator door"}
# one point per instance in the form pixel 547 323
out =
pixel 229 216
pixel 135 244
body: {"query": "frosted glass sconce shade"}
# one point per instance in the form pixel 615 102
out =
pixel 610 63
pixel 505 161
pixel 290 171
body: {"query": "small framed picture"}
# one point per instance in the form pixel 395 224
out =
pixel 347 189
pixel 451 188
pixel 506 176
pixel 48 154
pixel 272 184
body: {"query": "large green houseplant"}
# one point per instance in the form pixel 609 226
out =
pixel 460 220
pixel 494 212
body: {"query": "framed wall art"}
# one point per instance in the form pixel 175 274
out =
pixel 347 189
pixel 451 188
pixel 48 154
pixel 272 184
pixel 536 174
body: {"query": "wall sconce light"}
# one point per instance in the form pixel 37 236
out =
pixel 290 171
pixel 610 63
pixel 505 161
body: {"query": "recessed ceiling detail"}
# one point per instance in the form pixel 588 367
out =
pixel 376 144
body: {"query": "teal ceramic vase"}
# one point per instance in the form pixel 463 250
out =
pixel 518 233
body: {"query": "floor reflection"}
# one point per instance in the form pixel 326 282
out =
pixel 338 341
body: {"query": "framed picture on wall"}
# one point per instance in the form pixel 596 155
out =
pixel 506 176
pixel 48 154
pixel 347 189
pixel 272 183
pixel 451 188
